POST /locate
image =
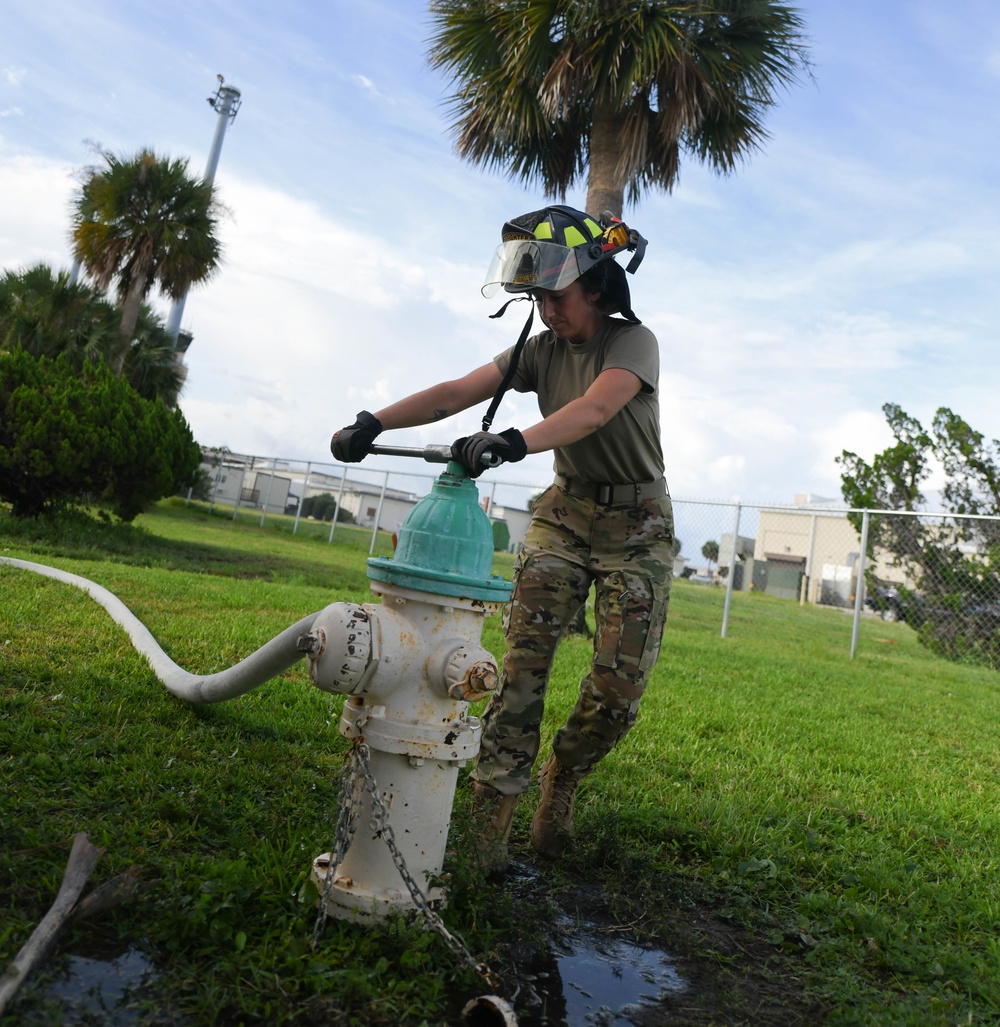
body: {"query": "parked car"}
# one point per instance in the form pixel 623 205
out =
pixel 885 601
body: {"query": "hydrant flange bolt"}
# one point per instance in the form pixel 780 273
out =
pixel 312 644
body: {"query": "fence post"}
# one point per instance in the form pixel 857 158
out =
pixel 239 491
pixel 340 499
pixel 302 499
pixel 378 513
pixel 859 591
pixel 732 573
pixel 215 484
pixel 267 494
pixel 809 563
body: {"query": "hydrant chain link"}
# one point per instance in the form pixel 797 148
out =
pixel 382 826
pixel 349 806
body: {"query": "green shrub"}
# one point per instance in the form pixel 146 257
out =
pixel 501 536
pixel 67 436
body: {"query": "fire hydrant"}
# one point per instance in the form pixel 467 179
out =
pixel 409 667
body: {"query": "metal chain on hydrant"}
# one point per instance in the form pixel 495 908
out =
pixel 357 772
pixel 349 806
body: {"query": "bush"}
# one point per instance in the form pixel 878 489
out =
pixel 323 507
pixel 67 437
pixel 501 536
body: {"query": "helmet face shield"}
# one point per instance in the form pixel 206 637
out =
pixel 521 265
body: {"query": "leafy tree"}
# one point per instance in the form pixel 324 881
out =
pixel 140 221
pixel 44 313
pixel 953 564
pixel 68 436
pixel 678 546
pixel 547 89
pixel 710 550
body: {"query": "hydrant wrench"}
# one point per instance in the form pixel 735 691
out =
pixel 432 454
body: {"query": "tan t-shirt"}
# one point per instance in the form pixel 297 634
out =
pixel 628 447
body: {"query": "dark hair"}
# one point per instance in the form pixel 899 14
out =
pixel 596 280
pixel 608 279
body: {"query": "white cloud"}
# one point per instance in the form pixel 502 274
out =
pixel 14 76
pixel 860 431
pixel 35 197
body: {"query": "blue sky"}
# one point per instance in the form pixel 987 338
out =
pixel 852 262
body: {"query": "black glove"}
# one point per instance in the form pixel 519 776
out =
pixel 507 447
pixel 354 443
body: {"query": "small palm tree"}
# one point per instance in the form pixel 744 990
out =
pixel 152 365
pixel 45 314
pixel 549 89
pixel 142 221
pixel 710 550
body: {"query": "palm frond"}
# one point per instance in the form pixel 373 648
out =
pixel 692 76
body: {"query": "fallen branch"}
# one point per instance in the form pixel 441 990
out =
pixel 82 859
pixel 112 893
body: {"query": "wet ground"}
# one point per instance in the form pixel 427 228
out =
pixel 590 975
pixel 591 978
pixel 585 970
pixel 99 991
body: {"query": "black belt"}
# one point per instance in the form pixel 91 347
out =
pixel 608 494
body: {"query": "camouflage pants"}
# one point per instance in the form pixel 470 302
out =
pixel 626 552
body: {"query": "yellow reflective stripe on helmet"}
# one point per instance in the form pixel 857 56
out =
pixel 573 236
pixel 543 230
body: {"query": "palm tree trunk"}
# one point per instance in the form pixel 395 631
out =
pixel 604 190
pixel 130 317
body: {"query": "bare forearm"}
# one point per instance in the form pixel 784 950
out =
pixel 441 400
pixel 432 404
pixel 574 421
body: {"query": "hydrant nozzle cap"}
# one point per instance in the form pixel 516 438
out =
pixel 445 546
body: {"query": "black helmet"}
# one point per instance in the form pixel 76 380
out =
pixel 551 247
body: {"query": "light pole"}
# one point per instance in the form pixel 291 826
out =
pixel 226 102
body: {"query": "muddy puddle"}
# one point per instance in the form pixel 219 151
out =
pixel 589 975
pixel 98 991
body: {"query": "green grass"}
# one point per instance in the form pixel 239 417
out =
pixel 843 812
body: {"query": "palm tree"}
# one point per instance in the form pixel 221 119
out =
pixel 549 89
pixel 153 366
pixel 141 221
pixel 47 315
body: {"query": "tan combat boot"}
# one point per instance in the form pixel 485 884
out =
pixel 552 825
pixel 492 815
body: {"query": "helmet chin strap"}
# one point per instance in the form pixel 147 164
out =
pixel 514 357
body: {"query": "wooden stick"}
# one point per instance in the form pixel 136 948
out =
pixel 112 893
pixel 82 859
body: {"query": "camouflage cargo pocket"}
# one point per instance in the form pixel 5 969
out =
pixel 631 614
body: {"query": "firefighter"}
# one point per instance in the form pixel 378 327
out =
pixel 606 521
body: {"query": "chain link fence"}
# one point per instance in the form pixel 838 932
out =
pixel 935 572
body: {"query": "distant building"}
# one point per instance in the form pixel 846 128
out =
pixel 280 486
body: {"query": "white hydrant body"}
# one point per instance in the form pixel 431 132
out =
pixel 409 667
